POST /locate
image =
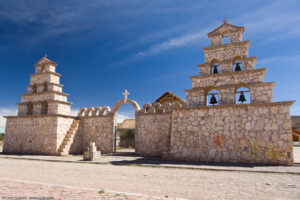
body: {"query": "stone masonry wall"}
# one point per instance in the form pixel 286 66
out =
pixel 228 65
pixel 63 125
pixel 226 52
pixel 229 78
pixel 253 133
pixel 151 134
pixel 44 96
pixel 41 78
pixel 98 129
pixel 35 135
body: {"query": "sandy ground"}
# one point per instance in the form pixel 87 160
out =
pixel 159 182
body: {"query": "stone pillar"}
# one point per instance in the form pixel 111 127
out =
pixel 92 153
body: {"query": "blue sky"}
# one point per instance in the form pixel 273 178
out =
pixel 148 47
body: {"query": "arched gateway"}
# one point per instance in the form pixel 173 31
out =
pixel 125 101
pixel 117 132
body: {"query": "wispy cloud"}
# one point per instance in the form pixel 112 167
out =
pixel 180 41
pixel 282 20
pixel 276 21
pixel 295 110
pixel 281 59
pixel 122 116
pixel 6 112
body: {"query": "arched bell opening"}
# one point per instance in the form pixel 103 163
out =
pixel 214 67
pixel 43 69
pixel 44 108
pixel 225 38
pixel 45 87
pixel 237 64
pixel 29 108
pixel 242 95
pixel 212 97
pixel 34 88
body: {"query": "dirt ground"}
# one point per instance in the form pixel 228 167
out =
pixel 155 182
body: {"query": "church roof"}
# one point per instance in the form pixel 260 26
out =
pixel 169 97
pixel 226 27
pixel 127 124
pixel 44 60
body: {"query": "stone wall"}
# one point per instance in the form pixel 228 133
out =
pixel 216 80
pixel 49 77
pixel 35 134
pixel 228 65
pixel 45 68
pixel 44 96
pixel 41 87
pixel 253 133
pixel 98 129
pixel 226 52
pixel 152 131
pixel 259 93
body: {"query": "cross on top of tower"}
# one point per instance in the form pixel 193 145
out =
pixel 125 93
pixel 46 55
pixel 225 20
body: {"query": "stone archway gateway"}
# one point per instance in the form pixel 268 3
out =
pixel 125 101
pixel 116 131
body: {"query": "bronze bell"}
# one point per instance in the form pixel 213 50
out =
pixel 213 100
pixel 237 67
pixel 242 97
pixel 215 70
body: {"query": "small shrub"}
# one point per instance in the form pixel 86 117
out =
pixel 101 191
pixel 1 137
pixel 127 134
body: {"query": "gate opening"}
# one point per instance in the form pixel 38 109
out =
pixel 125 129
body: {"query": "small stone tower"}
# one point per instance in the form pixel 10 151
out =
pixel 45 94
pixel 43 124
pixel 228 68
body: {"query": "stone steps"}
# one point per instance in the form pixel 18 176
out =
pixel 68 140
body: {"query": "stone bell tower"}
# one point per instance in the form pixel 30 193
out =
pixel 230 115
pixel 227 68
pixel 45 94
pixel 43 124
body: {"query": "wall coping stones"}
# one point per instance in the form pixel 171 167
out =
pixel 233 86
pixel 223 46
pixel 263 70
pixel 41 116
pixel 288 103
pixel 59 85
pixel 140 113
pixel 46 92
pixel 49 101
pixel 254 58
pixel 53 73
pixel 107 115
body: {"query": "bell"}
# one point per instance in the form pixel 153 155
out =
pixel 215 70
pixel 242 97
pixel 237 67
pixel 213 100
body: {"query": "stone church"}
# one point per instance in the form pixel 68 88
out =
pixel 228 115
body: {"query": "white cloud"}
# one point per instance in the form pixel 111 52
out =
pixel 74 112
pixel 295 110
pixel 122 117
pixel 284 59
pixel 174 42
pixel 6 112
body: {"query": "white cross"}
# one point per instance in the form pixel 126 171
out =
pixel 125 95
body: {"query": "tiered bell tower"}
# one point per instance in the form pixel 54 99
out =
pixel 226 69
pixel 45 94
